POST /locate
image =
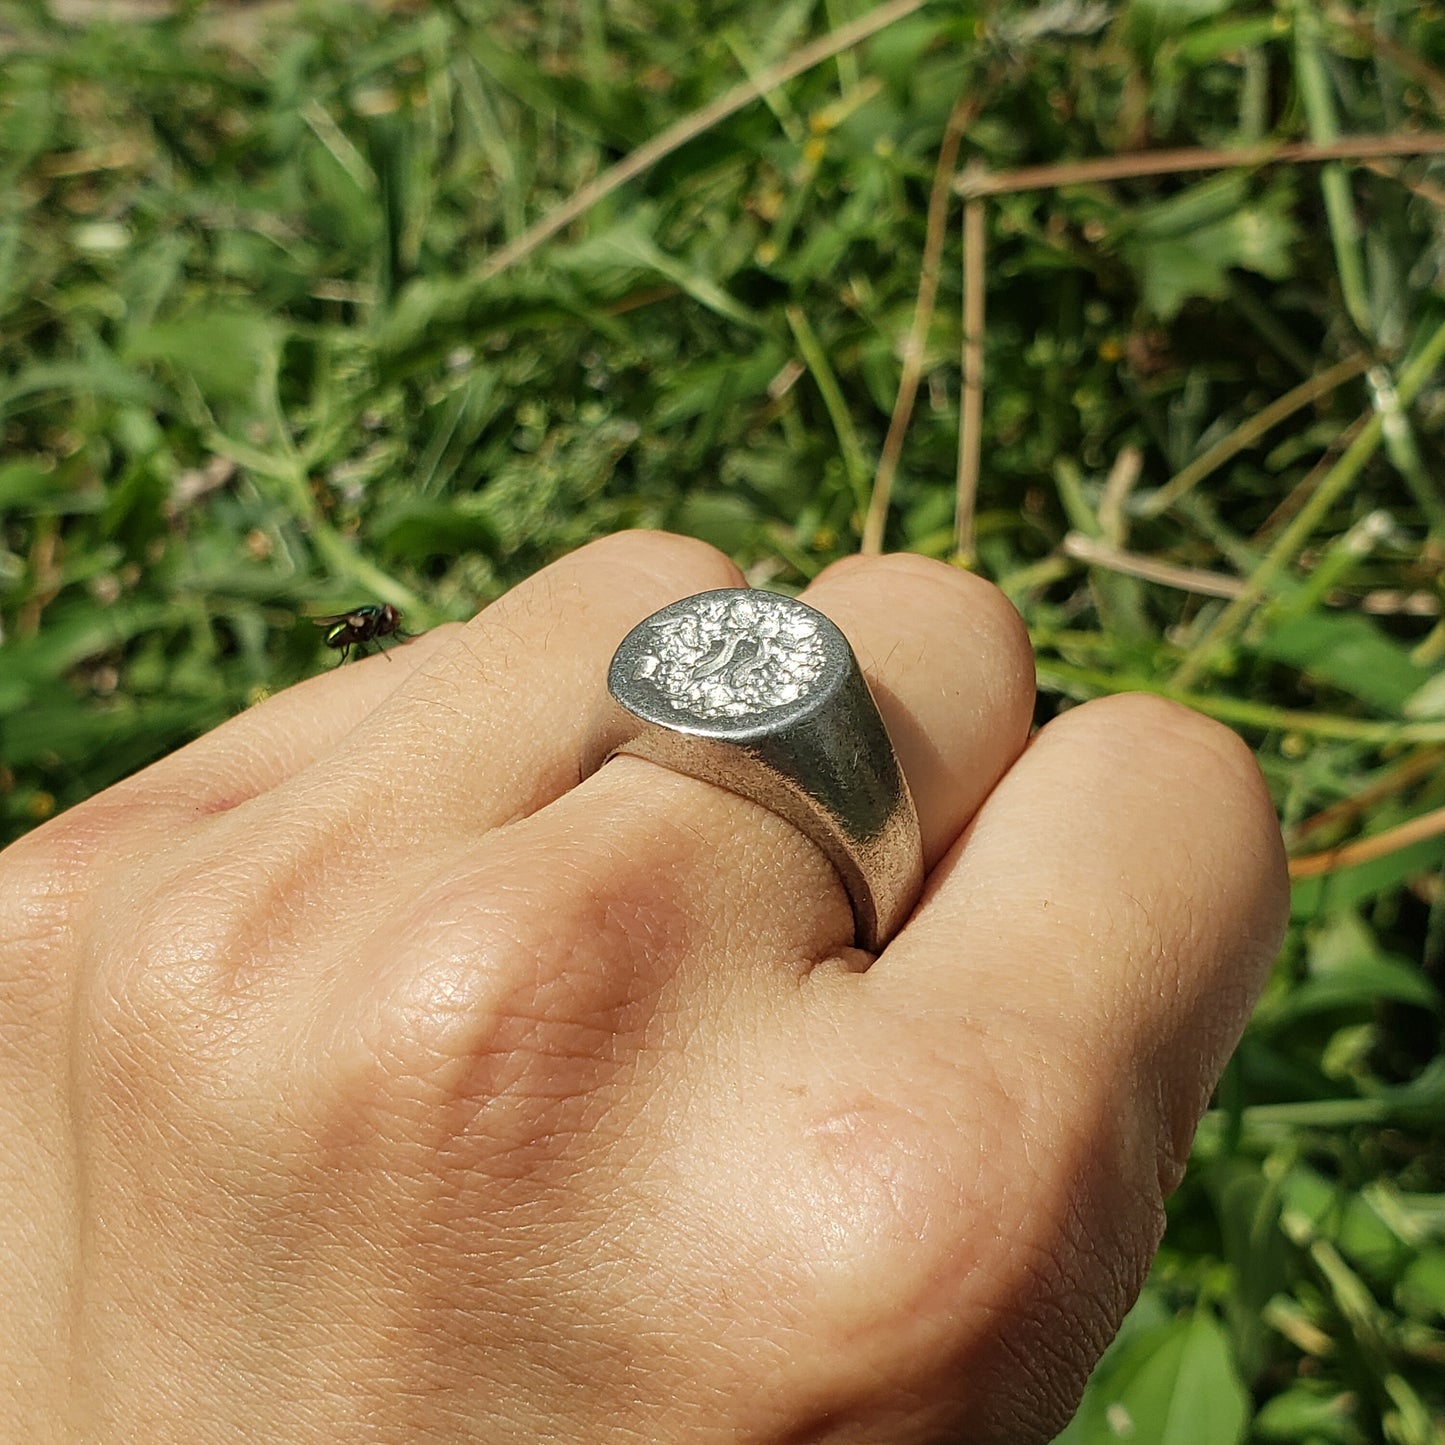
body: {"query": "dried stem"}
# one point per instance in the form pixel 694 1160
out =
pixel 916 346
pixel 1118 486
pixel 1202 158
pixel 970 418
pixel 1364 850
pixel 1414 769
pixel 690 127
pixel 1250 431
pixel 1150 569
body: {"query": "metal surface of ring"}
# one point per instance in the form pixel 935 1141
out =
pixel 761 694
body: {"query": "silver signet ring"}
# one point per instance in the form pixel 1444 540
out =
pixel 761 695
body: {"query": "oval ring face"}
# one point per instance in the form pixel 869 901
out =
pixel 761 695
pixel 730 654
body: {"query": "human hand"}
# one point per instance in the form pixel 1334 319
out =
pixel 366 1075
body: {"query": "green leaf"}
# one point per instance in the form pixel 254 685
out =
pixel 24 483
pixel 100 376
pixel 631 245
pixel 1247 1206
pixel 1350 1221
pixel 1172 1385
pixel 1349 652
pixel 225 351
pixel 422 528
pixel 1312 1413
pixel 1422 1289
pixel 1428 700
pixel 727 521
pixel 1348 970
pixel 1185 247
pixel 1177 14
pixel 1229 37
pixel 893 54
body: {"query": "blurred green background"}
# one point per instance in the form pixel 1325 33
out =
pixel 276 339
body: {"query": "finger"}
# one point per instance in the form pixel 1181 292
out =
pixel 495 725
pixel 949 662
pixel 277 738
pixel 1116 900
pixel 242 760
pixel 1065 998
pixel 951 666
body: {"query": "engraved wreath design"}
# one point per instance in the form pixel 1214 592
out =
pixel 733 656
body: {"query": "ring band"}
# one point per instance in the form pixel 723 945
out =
pixel 762 695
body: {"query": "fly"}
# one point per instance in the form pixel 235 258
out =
pixel 368 623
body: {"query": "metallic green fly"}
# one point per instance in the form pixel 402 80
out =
pixel 368 623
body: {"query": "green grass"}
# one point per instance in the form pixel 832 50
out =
pixel 253 365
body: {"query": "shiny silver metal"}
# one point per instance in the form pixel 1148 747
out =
pixel 761 694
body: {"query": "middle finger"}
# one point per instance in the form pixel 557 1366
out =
pixel 949 663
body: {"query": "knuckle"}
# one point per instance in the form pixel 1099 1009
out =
pixel 882 1168
pixel 1178 736
pixel 979 607
pixel 983 603
pixel 164 984
pixel 1076 1220
pixel 183 959
pixel 1234 833
pixel 514 999
pixel 910 568
pixel 50 876
pixel 453 1005
pixel 662 554
pixel 47 884
pixel 37 878
pixel 1204 765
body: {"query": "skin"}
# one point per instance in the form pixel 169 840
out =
pixel 366 1075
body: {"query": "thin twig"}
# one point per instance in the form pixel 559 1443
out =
pixel 690 127
pixel 970 410
pixel 1414 769
pixel 1118 485
pixel 1397 54
pixel 1363 850
pixel 1416 185
pixel 1289 543
pixel 1383 602
pixel 915 347
pixel 1150 569
pixel 1056 676
pixel 1250 431
pixel 1202 158
pixel 1304 489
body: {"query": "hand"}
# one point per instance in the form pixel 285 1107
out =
pixel 369 1075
